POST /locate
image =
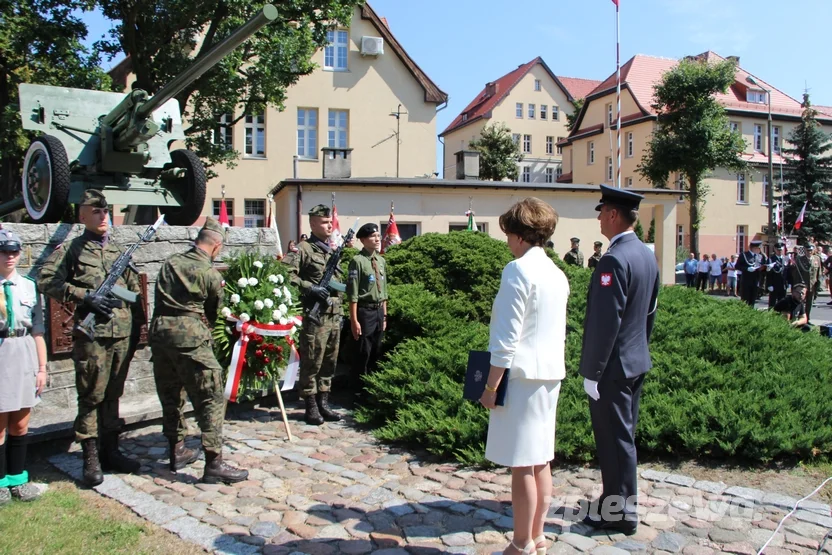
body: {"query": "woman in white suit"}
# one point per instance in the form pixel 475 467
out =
pixel 527 338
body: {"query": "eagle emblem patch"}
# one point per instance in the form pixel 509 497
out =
pixel 606 280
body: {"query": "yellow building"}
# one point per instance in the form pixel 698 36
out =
pixel 364 76
pixel 736 209
pixel 533 102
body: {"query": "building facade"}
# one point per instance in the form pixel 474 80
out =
pixel 533 102
pixel 736 207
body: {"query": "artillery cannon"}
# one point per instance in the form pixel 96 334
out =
pixel 118 143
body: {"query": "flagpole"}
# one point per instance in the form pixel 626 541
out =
pixel 618 87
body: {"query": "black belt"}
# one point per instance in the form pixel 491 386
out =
pixel 370 305
pixel 19 332
pixel 167 311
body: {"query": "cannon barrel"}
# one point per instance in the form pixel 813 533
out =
pixel 205 62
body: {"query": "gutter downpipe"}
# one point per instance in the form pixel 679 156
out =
pixel 300 198
pixel 439 109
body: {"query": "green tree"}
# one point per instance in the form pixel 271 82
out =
pixel 808 178
pixel 651 232
pixel 693 137
pixel 499 153
pixel 162 38
pixel 577 104
pixel 40 42
pixel 639 230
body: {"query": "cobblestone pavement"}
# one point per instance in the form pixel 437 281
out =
pixel 337 490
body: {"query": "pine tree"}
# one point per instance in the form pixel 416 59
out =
pixel 809 177
pixel 651 232
pixel 639 230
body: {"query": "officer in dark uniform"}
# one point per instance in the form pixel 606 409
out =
pixel 750 263
pixel 621 306
pixel 574 257
pixel 776 276
pixel 596 256
pixel 367 295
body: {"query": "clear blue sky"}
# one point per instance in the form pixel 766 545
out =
pixel 462 44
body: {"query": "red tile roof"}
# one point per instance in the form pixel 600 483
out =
pixel 825 110
pixel 495 92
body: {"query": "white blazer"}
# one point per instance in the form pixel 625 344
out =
pixel 528 319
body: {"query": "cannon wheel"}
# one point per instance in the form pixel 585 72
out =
pixel 46 180
pixel 192 187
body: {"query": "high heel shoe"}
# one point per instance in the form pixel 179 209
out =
pixel 540 539
pixel 528 550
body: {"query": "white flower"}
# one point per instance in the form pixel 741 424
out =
pixel 242 282
pixel 282 308
pixel 271 323
pixel 268 302
pixel 258 305
pixel 279 279
pixel 272 278
pixel 283 321
pixel 277 315
pixel 293 330
pixel 244 317
pixel 226 312
pixel 258 264
pixel 287 293
pixel 235 298
pixel 277 292
pixel 252 281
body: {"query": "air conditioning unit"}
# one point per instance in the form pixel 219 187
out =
pixel 372 46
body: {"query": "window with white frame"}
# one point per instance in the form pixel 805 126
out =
pixel 527 174
pixel 464 117
pixel 516 138
pixel 630 147
pixel 518 110
pixel 537 84
pixel 590 152
pixel 758 137
pixel 555 113
pixel 224 132
pixel 560 148
pixel 527 144
pixel 229 209
pixel 775 131
pixel 550 145
pixel 734 126
pixel 765 189
pixel 308 133
pixel 256 136
pixel 338 127
pixel 756 97
pixel 532 111
pixel 558 171
pixel 609 168
pixel 742 233
pixel 680 235
pixel 742 194
pixel 255 210
pixel 336 50
pixel 544 112
pixel 609 115
pixel 550 175
pixel 628 182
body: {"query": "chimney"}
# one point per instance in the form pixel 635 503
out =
pixel 735 59
pixel 467 164
pixel 337 163
pixel 490 89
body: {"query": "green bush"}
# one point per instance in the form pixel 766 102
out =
pixel 727 381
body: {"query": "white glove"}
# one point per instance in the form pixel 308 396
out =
pixel 591 388
pixel 771 288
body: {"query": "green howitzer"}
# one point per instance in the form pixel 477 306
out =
pixel 117 143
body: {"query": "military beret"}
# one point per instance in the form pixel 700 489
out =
pixel 9 241
pixel 810 246
pixel 366 230
pixel 93 197
pixel 213 225
pixel 598 243
pixel 575 239
pixel 619 197
pixel 321 210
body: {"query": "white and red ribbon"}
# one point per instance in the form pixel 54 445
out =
pixel 238 355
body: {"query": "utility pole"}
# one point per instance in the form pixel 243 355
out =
pixel 398 115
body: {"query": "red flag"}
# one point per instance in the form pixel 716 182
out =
pixel 799 222
pixel 615 2
pixel 224 214
pixel 391 234
pixel 335 238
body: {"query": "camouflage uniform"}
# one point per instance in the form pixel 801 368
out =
pixel 574 257
pixel 596 256
pixel 815 275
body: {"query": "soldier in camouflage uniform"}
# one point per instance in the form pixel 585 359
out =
pixel 596 256
pixel 72 274
pixel 189 290
pixel 574 257
pixel 318 343
pixel 815 274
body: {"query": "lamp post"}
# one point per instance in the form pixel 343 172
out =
pixel 770 196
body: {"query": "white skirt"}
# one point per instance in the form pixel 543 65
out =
pixel 522 432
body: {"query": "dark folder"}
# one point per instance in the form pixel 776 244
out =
pixel 479 365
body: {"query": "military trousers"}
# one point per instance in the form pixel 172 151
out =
pixel 371 319
pixel 101 368
pixel 318 346
pixel 195 371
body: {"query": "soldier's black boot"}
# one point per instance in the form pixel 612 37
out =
pixel 217 471
pixel 312 416
pixel 112 459
pixel 181 456
pixel 92 466
pixel 323 405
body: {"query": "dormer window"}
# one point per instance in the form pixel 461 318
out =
pixel 464 117
pixel 756 97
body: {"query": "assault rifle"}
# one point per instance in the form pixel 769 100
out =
pixel 329 272
pixel 108 287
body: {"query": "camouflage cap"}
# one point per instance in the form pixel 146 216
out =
pixel 213 225
pixel 321 210
pixel 93 197
pixel 9 241
pixel 575 239
pixel 598 244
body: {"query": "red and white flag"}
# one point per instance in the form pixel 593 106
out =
pixel 335 238
pixel 615 2
pixel 272 224
pixel 777 222
pixel 224 214
pixel 799 223
pixel 391 234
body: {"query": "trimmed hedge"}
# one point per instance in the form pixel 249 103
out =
pixel 727 381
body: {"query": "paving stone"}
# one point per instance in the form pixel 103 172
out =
pixel 461 508
pixel 266 530
pixel 631 545
pixel 333 532
pixel 609 550
pixel 355 547
pixel 721 535
pixel 654 475
pixel 419 533
pixel 805 529
pixel 730 523
pixel 393 551
pixel 740 548
pixel 759 537
pixel 697 550
pixel 679 480
pixel 560 548
pixel 750 494
pixel 488 536
pixel 670 542
pixel 378 496
pixel 485 514
pixel 581 543
pixel 458 539
pixel 795 539
pixel 710 487
pixel 814 518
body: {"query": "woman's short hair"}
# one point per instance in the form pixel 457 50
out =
pixel 531 219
